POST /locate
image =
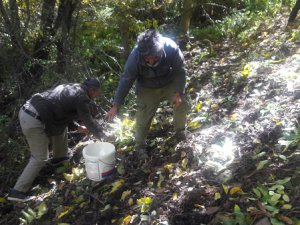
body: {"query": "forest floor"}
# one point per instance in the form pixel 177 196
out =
pixel 240 163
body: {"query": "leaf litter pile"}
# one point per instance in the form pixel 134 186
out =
pixel 240 163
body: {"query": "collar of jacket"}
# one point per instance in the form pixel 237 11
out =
pixel 143 63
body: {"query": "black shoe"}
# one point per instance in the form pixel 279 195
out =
pixel 19 196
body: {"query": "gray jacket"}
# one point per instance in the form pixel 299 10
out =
pixel 170 69
pixel 62 105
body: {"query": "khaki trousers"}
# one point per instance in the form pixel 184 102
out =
pixel 148 100
pixel 38 142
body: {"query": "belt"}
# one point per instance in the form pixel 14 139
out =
pixel 34 115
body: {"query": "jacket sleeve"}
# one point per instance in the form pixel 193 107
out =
pixel 83 110
pixel 127 78
pixel 179 70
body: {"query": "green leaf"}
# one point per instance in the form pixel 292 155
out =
pixel 276 187
pixel 236 208
pixel 283 181
pixel 274 221
pixel 217 195
pixel 263 190
pixel 261 154
pixel 261 164
pixel 271 208
pixel 287 206
pixel 184 163
pixel 257 192
pixel 286 198
pixel 274 199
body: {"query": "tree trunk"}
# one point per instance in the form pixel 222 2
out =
pixel 124 32
pixel 186 16
pixel 13 28
pixel 294 11
pixel 64 20
pixel 42 44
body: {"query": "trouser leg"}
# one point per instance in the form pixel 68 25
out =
pixel 59 144
pixel 179 113
pixel 148 100
pixel 38 143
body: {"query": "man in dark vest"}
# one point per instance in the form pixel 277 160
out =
pixel 44 121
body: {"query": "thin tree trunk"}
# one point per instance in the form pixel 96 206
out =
pixel 64 20
pixel 42 45
pixel 294 11
pixel 186 16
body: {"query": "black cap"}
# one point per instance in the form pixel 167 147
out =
pixel 92 82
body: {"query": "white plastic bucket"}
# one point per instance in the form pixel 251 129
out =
pixel 99 159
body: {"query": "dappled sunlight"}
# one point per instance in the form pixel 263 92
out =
pixel 221 155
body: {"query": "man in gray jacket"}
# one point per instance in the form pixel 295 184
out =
pixel 158 66
pixel 44 120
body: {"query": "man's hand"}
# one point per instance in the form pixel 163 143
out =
pixel 82 129
pixel 177 99
pixel 112 113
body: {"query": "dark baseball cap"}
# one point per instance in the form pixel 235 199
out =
pixel 92 82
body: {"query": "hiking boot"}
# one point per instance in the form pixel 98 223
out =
pixel 19 196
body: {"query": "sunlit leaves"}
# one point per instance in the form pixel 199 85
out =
pixel 236 190
pixel 195 123
pixel 184 163
pixel 29 214
pixel 144 203
pixel 116 185
pixel 261 164
pixel 63 211
pixel 225 188
pixel 246 71
pixel 217 195
pixel 123 129
pixel 198 107
pixel 126 220
pixel 125 194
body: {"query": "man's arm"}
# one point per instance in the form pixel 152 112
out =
pixel 179 71
pixel 127 79
pixel 83 110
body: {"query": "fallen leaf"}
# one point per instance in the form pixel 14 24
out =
pixel 126 220
pixel 68 177
pixel 125 194
pixel 236 189
pixel 116 185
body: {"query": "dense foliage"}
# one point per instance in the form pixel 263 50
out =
pixel 47 42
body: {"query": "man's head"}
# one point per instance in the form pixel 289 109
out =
pixel 150 46
pixel 93 86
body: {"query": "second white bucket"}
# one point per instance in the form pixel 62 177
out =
pixel 99 160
